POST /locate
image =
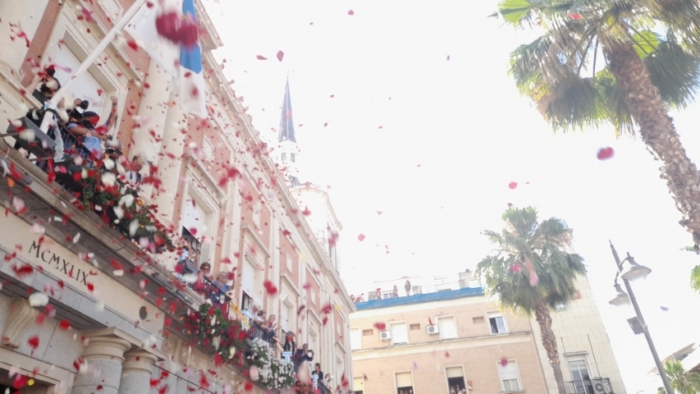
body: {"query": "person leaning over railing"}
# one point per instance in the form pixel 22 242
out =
pixel 89 134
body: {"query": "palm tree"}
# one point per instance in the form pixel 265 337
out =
pixel 681 382
pixel 604 61
pixel 531 270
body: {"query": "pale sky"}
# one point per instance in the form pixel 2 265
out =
pixel 432 142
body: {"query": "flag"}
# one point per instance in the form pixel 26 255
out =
pixel 183 63
pixel 191 70
pixel 143 29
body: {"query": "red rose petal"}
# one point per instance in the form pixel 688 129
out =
pixel 504 362
pixel 605 153
pixel 361 237
pixel 380 325
pixel 64 324
pixel 280 55
pixel 351 12
pixel 512 185
pixel 261 57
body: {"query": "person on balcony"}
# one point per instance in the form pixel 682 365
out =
pixel 272 328
pixel 407 287
pixel 87 132
pixel 44 85
pixel 289 345
pixel 205 270
pixel 302 355
pixel 317 375
pixel 132 178
pixel 396 291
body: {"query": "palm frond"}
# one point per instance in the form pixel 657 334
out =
pixel 546 246
pixel 675 72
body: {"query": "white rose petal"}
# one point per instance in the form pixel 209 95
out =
pixel 127 200
pixel 118 272
pixel 37 228
pixel 38 300
pixel 27 135
pixel 109 164
pixel 118 211
pixel 76 238
pixel 189 278
pixel 109 179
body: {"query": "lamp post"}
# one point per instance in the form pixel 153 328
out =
pixel 632 272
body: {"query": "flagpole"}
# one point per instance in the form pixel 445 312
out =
pixel 92 56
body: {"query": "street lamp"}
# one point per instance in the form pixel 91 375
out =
pixel 635 271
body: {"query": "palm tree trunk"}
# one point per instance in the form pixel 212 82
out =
pixel 658 132
pixel 549 341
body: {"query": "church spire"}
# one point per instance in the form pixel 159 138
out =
pixel 288 141
pixel 286 132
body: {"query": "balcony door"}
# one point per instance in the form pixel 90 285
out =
pixel 580 376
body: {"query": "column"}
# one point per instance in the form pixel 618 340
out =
pixel 170 161
pixel 104 356
pixel 27 15
pixel 154 109
pixel 136 372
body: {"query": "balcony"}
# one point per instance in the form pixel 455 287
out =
pixel 589 386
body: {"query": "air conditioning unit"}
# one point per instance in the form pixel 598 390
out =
pixel 601 387
pixel 385 335
pixel 432 330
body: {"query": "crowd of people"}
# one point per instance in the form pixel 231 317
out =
pixel 82 141
pixel 378 293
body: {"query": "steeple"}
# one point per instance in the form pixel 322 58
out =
pixel 288 148
pixel 286 132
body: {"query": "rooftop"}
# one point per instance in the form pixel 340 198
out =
pixel 421 298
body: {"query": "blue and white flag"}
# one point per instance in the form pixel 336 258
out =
pixel 183 63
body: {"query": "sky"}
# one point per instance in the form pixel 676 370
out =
pixel 425 131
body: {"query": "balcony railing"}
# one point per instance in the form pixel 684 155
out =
pixel 589 386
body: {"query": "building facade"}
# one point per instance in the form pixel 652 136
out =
pixel 446 335
pixel 93 302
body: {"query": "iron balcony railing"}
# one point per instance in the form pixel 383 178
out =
pixel 589 386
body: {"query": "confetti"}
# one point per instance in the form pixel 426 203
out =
pixel 261 57
pixel 380 325
pixel 361 237
pixel 270 287
pixel 351 12
pixel 512 185
pixel 504 362
pixel 280 55
pixel 605 153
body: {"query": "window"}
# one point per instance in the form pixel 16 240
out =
pixel 447 327
pixel 284 156
pixel 355 339
pixel 579 373
pixel 455 379
pixel 367 333
pixel 415 327
pixel 208 149
pixel 399 333
pixel 87 87
pixel 256 213
pixel 497 323
pixel 478 320
pixel 293 157
pixel 404 382
pixel 358 385
pixel 285 312
pixel 290 263
pixel 510 377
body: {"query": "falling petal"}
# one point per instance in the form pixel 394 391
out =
pixel 280 55
pixel 605 153
pixel 38 300
pixel 361 237
pixel 512 185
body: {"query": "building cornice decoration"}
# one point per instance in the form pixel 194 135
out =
pixel 21 314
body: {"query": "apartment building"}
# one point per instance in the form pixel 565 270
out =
pixel 447 336
pixel 114 314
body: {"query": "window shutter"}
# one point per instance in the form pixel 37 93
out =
pixel 404 379
pixel 358 384
pixel 399 333
pixel 448 328
pixel 508 372
pixel 454 372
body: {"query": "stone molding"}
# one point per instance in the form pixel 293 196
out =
pixel 138 361
pixel 110 348
pixel 21 314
